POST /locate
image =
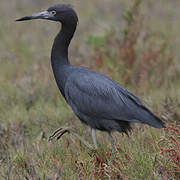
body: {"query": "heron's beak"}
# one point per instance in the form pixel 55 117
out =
pixel 41 15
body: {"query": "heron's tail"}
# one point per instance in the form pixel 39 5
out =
pixel 156 122
pixel 151 119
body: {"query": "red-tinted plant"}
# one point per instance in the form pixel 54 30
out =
pixel 170 149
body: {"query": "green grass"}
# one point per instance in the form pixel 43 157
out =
pixel 31 107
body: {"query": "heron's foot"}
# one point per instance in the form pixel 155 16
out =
pixel 57 134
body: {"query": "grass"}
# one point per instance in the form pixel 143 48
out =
pixel 136 45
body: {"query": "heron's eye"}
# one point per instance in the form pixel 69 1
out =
pixel 53 13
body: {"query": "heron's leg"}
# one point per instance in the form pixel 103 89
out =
pixel 93 131
pixel 113 155
pixel 112 141
pixel 57 134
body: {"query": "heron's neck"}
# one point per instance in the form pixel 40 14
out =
pixel 59 53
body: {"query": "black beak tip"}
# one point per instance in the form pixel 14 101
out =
pixel 24 18
pixel 17 20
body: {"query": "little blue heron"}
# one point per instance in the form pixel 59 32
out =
pixel 97 100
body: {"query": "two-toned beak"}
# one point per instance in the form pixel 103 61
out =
pixel 41 15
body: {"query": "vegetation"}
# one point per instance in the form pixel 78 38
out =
pixel 134 42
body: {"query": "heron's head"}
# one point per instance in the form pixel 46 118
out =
pixel 60 12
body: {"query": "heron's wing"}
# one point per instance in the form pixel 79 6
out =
pixel 99 97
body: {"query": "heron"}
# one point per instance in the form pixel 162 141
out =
pixel 97 100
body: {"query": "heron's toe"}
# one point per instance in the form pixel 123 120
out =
pixel 58 133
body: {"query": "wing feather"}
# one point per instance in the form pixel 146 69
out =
pixel 99 97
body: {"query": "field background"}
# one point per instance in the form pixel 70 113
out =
pixel 135 42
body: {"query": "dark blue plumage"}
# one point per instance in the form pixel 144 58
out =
pixel 102 102
pixel 97 100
